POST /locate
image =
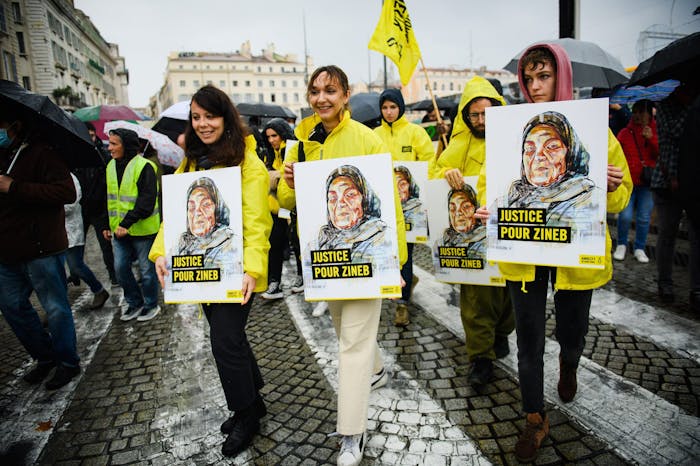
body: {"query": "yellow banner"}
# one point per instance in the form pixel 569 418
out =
pixel 394 38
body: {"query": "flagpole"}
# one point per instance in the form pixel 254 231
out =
pixel 432 97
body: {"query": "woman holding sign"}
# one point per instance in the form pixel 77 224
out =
pixel 216 138
pixel 330 133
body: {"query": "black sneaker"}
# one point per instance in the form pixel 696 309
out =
pixel 73 280
pixel 274 291
pixel 131 313
pixel 62 376
pixel 38 372
pixel 482 371
pixel 501 347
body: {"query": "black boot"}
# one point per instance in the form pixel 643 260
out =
pixel 39 372
pixel 260 408
pixel 501 346
pixel 246 424
pixel 482 371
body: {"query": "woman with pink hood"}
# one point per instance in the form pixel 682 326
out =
pixel 544 74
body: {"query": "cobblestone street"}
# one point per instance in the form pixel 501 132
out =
pixel 149 392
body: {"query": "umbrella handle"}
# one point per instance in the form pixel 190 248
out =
pixel 14 159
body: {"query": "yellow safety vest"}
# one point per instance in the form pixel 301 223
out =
pixel 122 198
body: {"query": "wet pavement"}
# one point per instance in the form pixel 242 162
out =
pixel 149 392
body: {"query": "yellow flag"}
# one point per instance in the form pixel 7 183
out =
pixel 394 38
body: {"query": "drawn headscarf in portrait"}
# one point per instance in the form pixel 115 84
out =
pixel 367 232
pixel 216 244
pixel 472 239
pixel 412 207
pixel 573 190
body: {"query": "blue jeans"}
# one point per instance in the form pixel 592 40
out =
pixel 643 202
pixel 47 277
pixel 125 249
pixel 78 267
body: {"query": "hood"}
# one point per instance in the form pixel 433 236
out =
pixel 393 95
pixel 130 141
pixel 281 127
pixel 565 77
pixel 475 87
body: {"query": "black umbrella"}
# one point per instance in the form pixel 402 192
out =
pixel 679 60
pixel 67 134
pixel 265 110
pixel 443 103
pixel 171 127
pixel 364 107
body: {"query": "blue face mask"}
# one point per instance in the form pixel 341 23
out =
pixel 5 139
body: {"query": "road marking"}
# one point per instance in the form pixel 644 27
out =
pixel 639 425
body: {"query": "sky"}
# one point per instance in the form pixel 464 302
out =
pixel 459 33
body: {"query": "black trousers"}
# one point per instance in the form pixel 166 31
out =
pixel 105 244
pixel 571 313
pixel 238 370
pixel 278 242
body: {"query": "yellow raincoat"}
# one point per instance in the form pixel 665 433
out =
pixel 257 222
pixel 406 141
pixel 349 138
pixel 465 151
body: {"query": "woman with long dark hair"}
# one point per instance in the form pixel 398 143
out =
pixel 216 138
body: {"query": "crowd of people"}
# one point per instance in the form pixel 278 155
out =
pixel 121 200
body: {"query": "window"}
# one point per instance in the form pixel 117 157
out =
pixel 183 97
pixel 221 67
pixel 236 98
pixel 434 86
pixel 272 83
pixel 209 82
pixel 20 43
pixel 452 86
pixel 3 24
pixel 284 83
pixel 194 67
pixel 26 83
pixel 9 66
pixel 442 87
pixel 247 84
pixel 296 97
pixel 270 69
pixel 222 83
pixel 207 66
pixel 179 67
pixel 261 98
pixel 272 97
pixel 182 83
pixel 66 31
pixel 259 69
pixel 284 97
pixel 235 83
pixel 260 83
pixel 249 98
pixel 195 83
pixel 16 12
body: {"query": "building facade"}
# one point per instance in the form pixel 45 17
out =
pixel 269 77
pixel 449 81
pixel 52 48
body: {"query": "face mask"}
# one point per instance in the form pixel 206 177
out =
pixel 5 139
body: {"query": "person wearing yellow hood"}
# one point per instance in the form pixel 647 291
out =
pixel 407 142
pixel 216 138
pixel 545 75
pixel 331 133
pixel 486 311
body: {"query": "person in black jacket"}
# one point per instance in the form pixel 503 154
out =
pixel 94 201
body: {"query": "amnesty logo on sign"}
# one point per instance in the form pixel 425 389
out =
pixel 394 38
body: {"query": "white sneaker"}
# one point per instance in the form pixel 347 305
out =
pixel 320 309
pixel 148 314
pixel 274 291
pixel 379 379
pixel 641 256
pixel 620 252
pixel 351 449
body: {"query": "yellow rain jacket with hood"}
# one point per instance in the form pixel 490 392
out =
pixel 348 139
pixel 257 222
pixel 466 151
pixel 405 140
pixel 574 278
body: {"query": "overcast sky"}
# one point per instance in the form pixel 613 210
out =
pixel 461 33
